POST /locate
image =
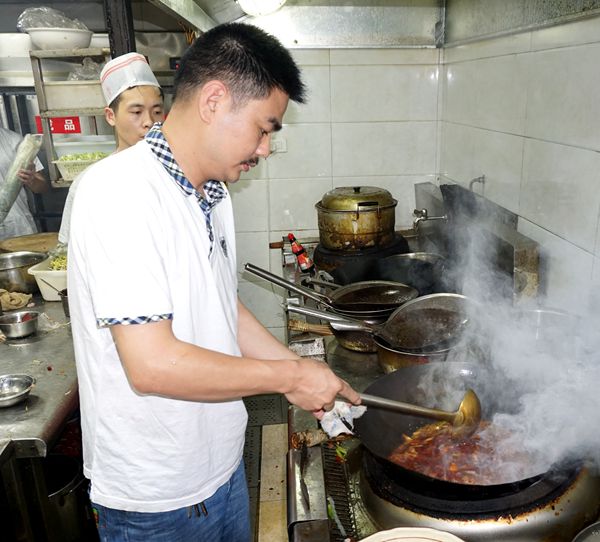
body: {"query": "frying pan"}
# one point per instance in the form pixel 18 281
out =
pixel 369 299
pixel 427 324
pixel 437 385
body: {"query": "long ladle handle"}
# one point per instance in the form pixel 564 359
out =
pixel 279 281
pixel 407 408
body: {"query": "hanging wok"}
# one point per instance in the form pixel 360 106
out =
pixel 436 385
pixel 369 299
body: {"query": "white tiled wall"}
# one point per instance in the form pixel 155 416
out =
pixel 371 119
pixel 524 111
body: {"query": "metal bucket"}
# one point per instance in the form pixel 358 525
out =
pixel 64 298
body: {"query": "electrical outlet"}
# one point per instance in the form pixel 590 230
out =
pixel 278 144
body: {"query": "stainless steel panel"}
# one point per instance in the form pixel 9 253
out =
pixel 468 20
pixel 355 23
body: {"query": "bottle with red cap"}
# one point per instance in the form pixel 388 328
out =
pixel 304 260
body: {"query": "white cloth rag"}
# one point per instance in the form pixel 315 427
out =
pixel 332 422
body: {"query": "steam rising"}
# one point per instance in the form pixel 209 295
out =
pixel 546 363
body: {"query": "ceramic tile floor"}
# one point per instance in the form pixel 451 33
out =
pixel 265 462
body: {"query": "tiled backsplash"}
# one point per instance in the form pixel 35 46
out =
pixel 521 109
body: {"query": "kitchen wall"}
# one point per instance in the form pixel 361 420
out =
pixel 520 109
pixel 524 111
pixel 371 119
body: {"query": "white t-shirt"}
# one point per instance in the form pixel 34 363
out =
pixel 139 249
pixel 19 220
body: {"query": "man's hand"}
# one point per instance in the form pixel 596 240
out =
pixel 33 180
pixel 316 387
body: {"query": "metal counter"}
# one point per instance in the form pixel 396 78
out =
pixel 33 424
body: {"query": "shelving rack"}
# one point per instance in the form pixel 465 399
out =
pixel 65 98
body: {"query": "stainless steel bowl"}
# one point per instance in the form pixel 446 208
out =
pixel 14 388
pixel 589 534
pixel 13 271
pixel 16 325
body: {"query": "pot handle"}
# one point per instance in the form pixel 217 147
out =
pixel 367 204
pixel 323 315
pixel 347 325
pixel 286 284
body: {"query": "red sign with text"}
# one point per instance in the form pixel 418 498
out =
pixel 60 125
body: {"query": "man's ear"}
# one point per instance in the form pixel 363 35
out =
pixel 211 97
pixel 109 115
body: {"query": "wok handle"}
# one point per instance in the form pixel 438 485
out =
pixel 323 315
pixel 279 281
pixel 407 408
pixel 349 325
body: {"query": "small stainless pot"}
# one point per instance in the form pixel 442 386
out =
pixel 16 325
pixel 13 271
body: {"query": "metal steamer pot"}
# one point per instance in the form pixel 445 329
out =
pixel 370 299
pixel 356 217
pixel 437 385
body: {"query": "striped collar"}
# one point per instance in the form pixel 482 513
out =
pixel 214 192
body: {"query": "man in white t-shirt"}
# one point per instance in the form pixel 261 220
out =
pixel 164 349
pixel 134 102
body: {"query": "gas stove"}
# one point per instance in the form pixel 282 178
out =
pixel 345 497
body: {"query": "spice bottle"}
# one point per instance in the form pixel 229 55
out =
pixel 304 260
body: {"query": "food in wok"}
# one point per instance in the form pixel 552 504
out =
pixel 433 450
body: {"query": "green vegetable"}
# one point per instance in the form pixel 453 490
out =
pixel 59 263
pixel 83 156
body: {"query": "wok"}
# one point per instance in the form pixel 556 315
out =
pixel 437 385
pixel 421 270
pixel 369 299
pixel 427 324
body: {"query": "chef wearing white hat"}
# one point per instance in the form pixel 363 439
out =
pixel 133 96
pixel 134 102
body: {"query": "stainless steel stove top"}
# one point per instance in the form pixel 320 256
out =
pixel 340 504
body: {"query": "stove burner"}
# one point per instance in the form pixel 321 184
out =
pixel 422 495
pixel 327 259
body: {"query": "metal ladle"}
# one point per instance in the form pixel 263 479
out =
pixel 464 421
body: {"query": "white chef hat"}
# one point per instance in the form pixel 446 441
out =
pixel 123 72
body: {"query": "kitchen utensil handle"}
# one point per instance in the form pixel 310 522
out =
pixel 48 284
pixel 348 325
pixel 279 281
pixel 324 283
pixel 406 408
pixel 323 315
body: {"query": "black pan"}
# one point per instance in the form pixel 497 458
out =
pixel 369 299
pixel 437 385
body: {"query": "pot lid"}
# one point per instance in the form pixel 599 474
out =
pixel 350 198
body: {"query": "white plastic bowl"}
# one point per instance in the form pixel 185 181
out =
pixel 60 38
pixel 412 534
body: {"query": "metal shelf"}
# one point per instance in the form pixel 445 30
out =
pixel 85 112
pixel 71 54
pixel 47 112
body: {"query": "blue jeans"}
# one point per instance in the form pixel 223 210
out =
pixel 224 517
